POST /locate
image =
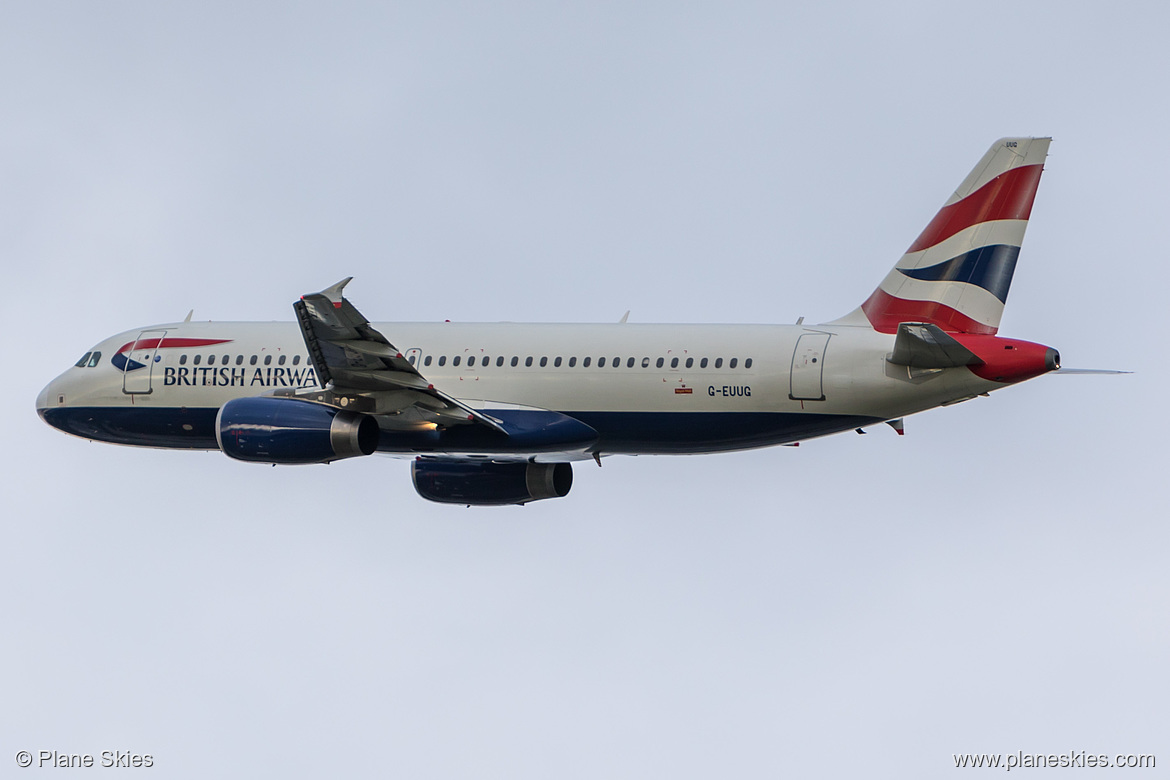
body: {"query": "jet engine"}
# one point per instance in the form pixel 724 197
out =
pixel 485 483
pixel 288 430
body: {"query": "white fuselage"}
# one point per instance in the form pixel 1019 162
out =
pixel 644 388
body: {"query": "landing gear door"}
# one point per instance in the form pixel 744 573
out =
pixel 808 364
pixel 138 361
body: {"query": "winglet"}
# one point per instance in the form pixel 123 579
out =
pixel 334 293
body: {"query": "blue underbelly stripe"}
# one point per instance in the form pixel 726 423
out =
pixel 617 432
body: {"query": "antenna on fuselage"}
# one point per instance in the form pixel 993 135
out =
pixel 625 317
pixel 189 315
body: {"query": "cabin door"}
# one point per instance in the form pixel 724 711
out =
pixel 808 365
pixel 138 361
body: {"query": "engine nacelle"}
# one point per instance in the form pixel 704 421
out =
pixel 484 483
pixel 288 430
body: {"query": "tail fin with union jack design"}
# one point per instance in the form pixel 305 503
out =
pixel 957 273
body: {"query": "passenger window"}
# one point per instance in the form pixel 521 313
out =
pixel 600 362
pixel 528 361
pixel 747 363
pixel 718 362
pixel 674 362
pixel 281 359
pixel 455 360
pixel 572 362
pixel 240 360
pixel 84 360
pixel 411 359
pixel 296 359
pixel 183 360
pixel 703 363
pixel 630 362
pixel 585 363
pixel 733 363
pixel 557 363
pixel 515 361
pixel 93 361
pixel 268 360
pixel 617 362
pixel 226 359
pixel 645 362
pixel 251 361
pixel 442 360
pixel 197 359
pixel 543 362
pixel 470 361
pixel 690 362
pixel 486 361
pixel 499 361
pixel 663 360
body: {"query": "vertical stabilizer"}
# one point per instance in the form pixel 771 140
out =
pixel 957 273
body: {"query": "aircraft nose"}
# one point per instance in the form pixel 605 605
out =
pixel 43 401
pixel 54 400
pixel 57 404
pixel 50 398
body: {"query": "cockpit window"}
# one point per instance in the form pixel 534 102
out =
pixel 84 359
pixel 94 359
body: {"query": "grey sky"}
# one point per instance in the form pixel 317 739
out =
pixel 994 581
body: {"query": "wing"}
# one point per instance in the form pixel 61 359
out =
pixel 360 369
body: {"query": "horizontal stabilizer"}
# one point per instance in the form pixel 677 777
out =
pixel 922 345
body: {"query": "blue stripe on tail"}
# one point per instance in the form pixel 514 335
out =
pixel 989 267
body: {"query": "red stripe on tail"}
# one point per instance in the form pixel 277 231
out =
pixel 885 313
pixel 1007 196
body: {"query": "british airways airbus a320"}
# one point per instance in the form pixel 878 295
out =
pixel 496 413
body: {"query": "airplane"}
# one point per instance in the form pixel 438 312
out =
pixel 497 413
